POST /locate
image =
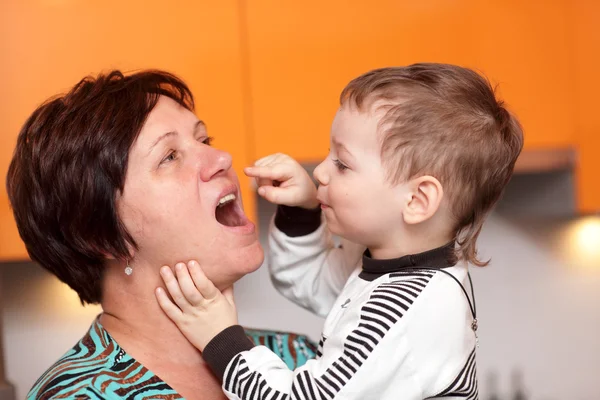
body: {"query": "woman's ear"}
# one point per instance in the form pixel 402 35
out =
pixel 426 195
pixel 130 250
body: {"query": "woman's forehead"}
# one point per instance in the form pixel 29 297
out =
pixel 168 116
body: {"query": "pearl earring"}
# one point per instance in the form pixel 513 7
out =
pixel 128 269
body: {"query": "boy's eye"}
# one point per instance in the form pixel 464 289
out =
pixel 340 165
pixel 208 140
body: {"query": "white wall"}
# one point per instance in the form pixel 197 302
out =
pixel 538 306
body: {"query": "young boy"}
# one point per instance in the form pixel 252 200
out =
pixel 419 155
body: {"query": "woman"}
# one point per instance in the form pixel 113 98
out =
pixel 108 183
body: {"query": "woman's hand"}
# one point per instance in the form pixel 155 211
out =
pixel 201 311
pixel 282 180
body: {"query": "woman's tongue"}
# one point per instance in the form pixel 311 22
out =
pixel 227 215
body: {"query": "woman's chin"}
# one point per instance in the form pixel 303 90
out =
pixel 252 258
pixel 244 262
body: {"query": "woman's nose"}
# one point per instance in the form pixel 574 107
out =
pixel 216 162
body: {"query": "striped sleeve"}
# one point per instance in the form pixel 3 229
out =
pixel 465 384
pixel 343 371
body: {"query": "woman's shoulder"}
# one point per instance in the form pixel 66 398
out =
pixel 73 374
pixel 96 367
pixel 294 349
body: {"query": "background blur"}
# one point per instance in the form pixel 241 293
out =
pixel 267 76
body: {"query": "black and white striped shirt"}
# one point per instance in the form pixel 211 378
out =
pixel 393 330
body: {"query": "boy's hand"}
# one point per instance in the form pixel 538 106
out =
pixel 282 180
pixel 201 311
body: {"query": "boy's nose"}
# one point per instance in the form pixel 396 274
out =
pixel 320 174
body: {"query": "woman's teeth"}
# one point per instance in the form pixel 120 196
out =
pixel 226 199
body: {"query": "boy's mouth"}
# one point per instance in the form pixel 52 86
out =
pixel 323 204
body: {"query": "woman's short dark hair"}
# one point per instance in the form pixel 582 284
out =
pixel 69 165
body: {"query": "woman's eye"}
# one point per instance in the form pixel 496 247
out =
pixel 171 157
pixel 208 140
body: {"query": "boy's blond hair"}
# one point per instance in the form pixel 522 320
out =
pixel 444 121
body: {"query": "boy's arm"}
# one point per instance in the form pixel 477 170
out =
pixel 305 265
pixel 367 355
pixel 361 368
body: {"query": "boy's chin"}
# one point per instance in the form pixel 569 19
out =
pixel 335 231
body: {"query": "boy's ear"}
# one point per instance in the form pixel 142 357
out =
pixel 426 195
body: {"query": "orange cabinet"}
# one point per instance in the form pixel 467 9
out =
pixel 586 60
pixel 303 53
pixel 542 55
pixel 267 75
pixel 47 46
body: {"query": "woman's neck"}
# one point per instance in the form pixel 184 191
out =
pixel 136 322
pixel 133 317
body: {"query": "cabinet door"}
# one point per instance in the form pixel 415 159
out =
pixel 47 46
pixel 526 47
pixel 302 54
pixel 586 14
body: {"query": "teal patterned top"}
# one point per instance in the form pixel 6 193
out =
pixel 98 368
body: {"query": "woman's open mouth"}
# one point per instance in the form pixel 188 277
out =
pixel 229 213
